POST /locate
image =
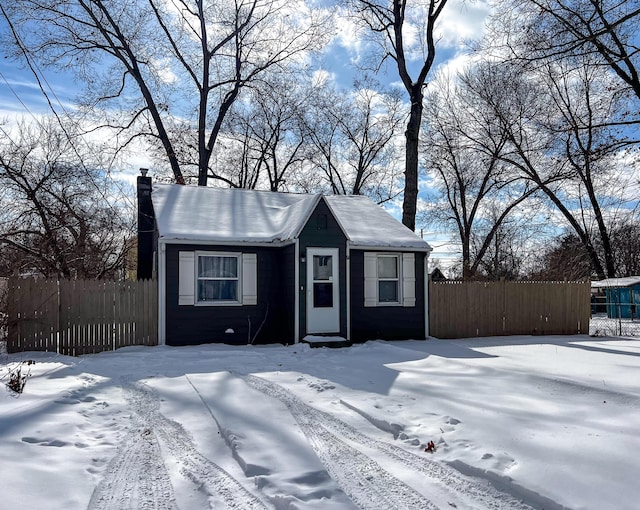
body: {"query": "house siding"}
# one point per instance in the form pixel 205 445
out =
pixel 623 302
pixel 385 322
pixel 323 231
pixel 284 329
pixel 191 324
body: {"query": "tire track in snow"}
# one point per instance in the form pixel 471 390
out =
pixel 137 477
pixel 367 484
pixel 325 431
pixel 477 492
pixel 129 482
pixel 362 479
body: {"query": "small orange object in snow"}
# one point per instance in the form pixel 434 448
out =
pixel 431 447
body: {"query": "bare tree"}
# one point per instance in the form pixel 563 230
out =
pixel 393 21
pixel 566 257
pixel 60 216
pixel 543 31
pixel 370 129
pixel 555 120
pixel 323 129
pixel 354 135
pixel 625 242
pixel 475 190
pixel 587 143
pixel 563 258
pixel 264 137
pixel 168 71
pixel 584 55
pixel 504 255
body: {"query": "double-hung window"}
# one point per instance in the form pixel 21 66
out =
pixel 218 278
pixel 388 279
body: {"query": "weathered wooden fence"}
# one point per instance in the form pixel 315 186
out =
pixel 466 309
pixel 75 317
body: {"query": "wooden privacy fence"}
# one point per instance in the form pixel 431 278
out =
pixel 466 309
pixel 75 317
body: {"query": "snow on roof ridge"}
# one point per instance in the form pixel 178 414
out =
pixel 208 214
pixel 623 281
pixel 380 229
pixel 258 216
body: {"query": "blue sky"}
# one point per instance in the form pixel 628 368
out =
pixel 20 95
pixel 19 92
pixel 460 20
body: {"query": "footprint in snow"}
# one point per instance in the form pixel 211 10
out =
pixel 44 442
pixel 75 399
pixel 500 462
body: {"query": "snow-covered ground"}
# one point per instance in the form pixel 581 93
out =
pixel 601 325
pixel 519 422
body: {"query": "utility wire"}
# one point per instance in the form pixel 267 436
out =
pixel 37 73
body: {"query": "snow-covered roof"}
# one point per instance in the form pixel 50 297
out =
pixel 367 224
pixel 195 213
pixel 204 214
pixel 617 282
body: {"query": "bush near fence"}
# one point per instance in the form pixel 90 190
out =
pixel 75 317
pixel 461 309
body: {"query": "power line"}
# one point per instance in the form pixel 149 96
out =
pixel 37 73
pixel 16 96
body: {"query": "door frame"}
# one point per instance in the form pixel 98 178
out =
pixel 329 317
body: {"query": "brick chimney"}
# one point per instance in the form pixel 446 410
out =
pixel 146 226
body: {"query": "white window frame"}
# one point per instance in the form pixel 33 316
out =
pixel 235 302
pixel 397 279
pixel 406 278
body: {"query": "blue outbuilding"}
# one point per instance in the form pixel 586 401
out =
pixel 622 296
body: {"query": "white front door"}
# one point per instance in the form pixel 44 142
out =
pixel 323 301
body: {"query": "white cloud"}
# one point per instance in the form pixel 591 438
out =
pixel 163 68
pixel 322 78
pixel 462 21
pixel 20 97
pixel 456 64
pixel 348 35
pixel 394 208
pixel 21 83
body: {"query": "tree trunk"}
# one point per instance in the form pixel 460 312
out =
pixel 580 232
pixel 468 272
pixel 607 250
pixel 410 203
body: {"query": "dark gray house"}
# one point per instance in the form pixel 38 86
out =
pixel 244 266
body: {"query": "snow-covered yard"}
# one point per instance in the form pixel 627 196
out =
pixel 519 422
pixel 601 325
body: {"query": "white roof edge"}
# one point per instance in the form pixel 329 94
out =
pixel 377 247
pixel 616 282
pixel 419 245
pixel 209 242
